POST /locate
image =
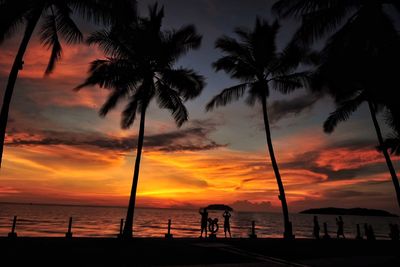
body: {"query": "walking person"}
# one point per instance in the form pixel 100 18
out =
pixel 227 224
pixel 340 225
pixel 204 220
pixel 316 228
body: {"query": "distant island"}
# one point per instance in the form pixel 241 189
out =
pixel 353 211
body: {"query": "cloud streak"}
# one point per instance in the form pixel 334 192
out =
pixel 195 137
pixel 279 109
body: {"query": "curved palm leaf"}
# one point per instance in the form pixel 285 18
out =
pixel 343 112
pixel 188 83
pixel 227 95
pixel 49 37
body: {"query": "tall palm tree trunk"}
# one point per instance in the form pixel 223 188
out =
pixel 385 152
pixel 288 234
pixel 127 233
pixel 12 78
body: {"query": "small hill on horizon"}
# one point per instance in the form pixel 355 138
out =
pixel 351 211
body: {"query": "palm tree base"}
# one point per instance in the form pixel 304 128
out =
pixel 126 236
pixel 288 234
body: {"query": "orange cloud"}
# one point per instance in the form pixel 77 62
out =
pixel 344 158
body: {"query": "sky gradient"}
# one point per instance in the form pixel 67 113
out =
pixel 58 150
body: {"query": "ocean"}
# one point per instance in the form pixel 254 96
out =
pixel 52 221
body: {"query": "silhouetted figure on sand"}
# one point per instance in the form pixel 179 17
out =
pixel 204 220
pixel 227 224
pixel 326 235
pixel 316 228
pixel 394 232
pixel 369 232
pixel 340 229
pixel 358 236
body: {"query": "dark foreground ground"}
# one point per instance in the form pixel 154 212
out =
pixel 196 252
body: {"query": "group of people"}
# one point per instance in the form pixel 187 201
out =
pixel 339 232
pixel 368 230
pixel 212 225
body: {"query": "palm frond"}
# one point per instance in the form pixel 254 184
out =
pixel 171 100
pixel 111 73
pixel 233 48
pixel 392 143
pixel 129 113
pixel 343 112
pixel 298 8
pixel 49 37
pixel 227 95
pixel 12 16
pixel 112 100
pixel 318 17
pixel 188 83
pixel 110 42
pixel 66 26
pixel 178 42
pixel 288 83
pixel 236 68
pixel 291 57
pixel 106 12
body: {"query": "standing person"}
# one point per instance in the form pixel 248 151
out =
pixel 227 224
pixel 340 225
pixel 204 220
pixel 316 228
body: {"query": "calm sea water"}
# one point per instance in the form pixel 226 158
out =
pixel 45 220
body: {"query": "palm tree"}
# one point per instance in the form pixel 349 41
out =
pixel 357 61
pixel 139 67
pixel 57 22
pixel 255 62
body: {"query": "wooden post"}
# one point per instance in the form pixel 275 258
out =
pixel 121 227
pixel 168 235
pixel 69 233
pixel 253 230
pixel 13 234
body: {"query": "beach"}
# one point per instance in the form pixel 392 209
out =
pixel 197 252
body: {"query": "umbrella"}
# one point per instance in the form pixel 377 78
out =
pixel 218 207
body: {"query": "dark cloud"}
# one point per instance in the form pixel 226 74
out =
pixel 195 137
pixel 282 108
pixel 353 144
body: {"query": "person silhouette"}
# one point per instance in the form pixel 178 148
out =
pixel 366 231
pixel 204 220
pixel 227 225
pixel 326 234
pixel 371 233
pixel 316 228
pixel 358 236
pixel 340 230
pixel 394 232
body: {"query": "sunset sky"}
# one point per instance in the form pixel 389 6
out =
pixel 58 150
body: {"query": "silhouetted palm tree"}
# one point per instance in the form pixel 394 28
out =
pixel 57 23
pixel 357 61
pixel 140 67
pixel 254 60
